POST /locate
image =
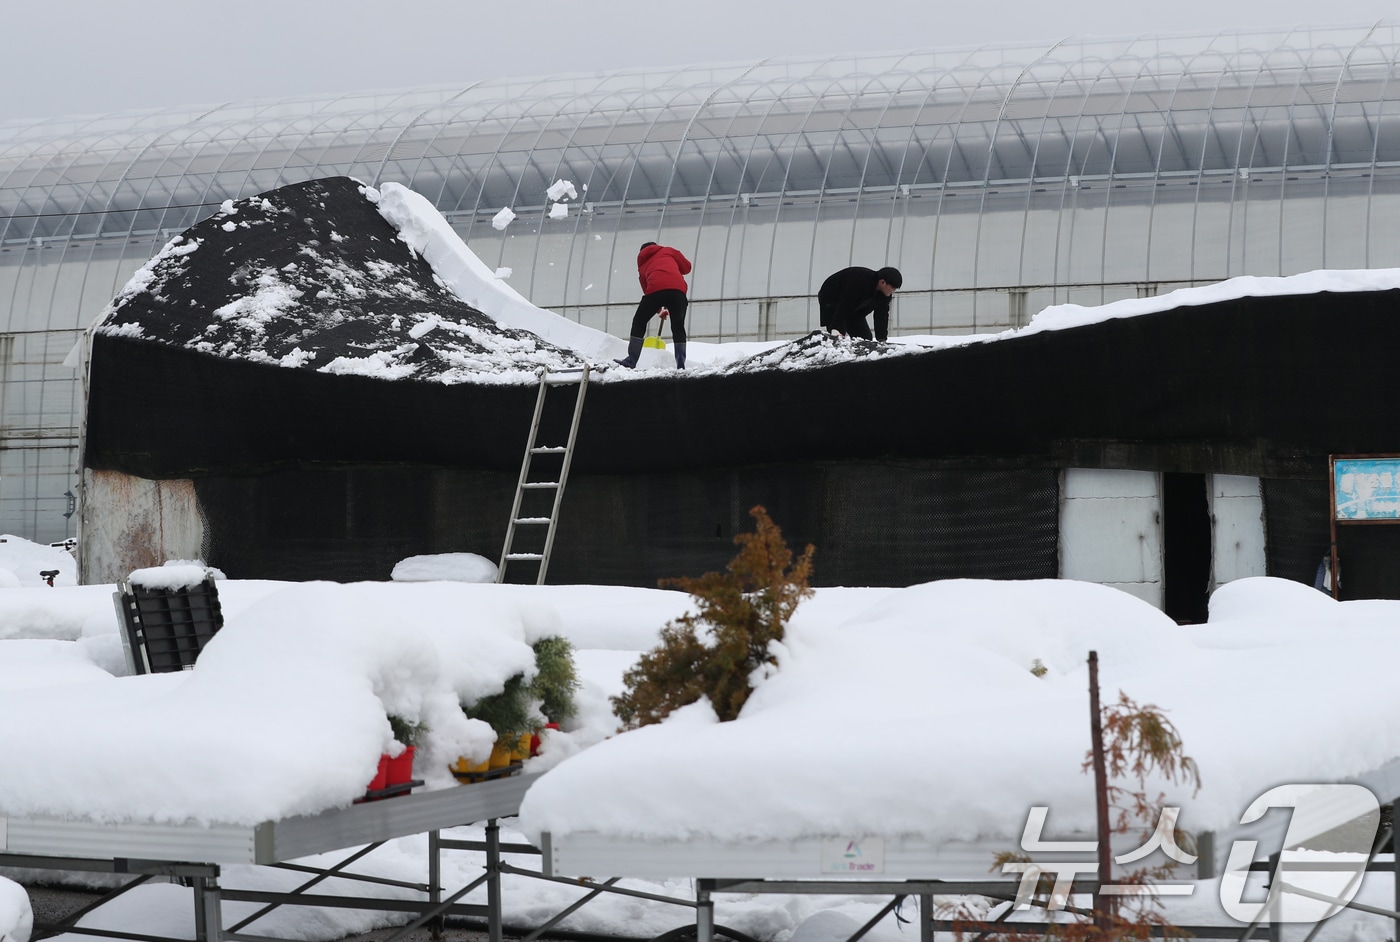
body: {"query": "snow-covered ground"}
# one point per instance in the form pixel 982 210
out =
pixel 892 712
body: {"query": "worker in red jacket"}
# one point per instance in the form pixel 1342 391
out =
pixel 661 270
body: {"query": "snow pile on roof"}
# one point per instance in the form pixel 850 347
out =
pixel 819 348
pixel 311 276
pixel 1062 316
pixel 424 229
pixel 920 715
pixel 317 276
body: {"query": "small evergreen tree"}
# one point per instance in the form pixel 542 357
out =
pixel 715 652
pixel 408 732
pixel 556 680
pixel 511 713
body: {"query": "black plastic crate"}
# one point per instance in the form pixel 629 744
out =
pixel 165 629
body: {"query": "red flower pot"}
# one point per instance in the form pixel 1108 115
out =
pixel 535 739
pixel 401 768
pixel 381 777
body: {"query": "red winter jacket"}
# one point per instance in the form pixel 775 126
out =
pixel 660 267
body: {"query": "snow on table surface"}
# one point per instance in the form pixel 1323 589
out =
pixel 918 714
pixel 16 916
pixel 892 711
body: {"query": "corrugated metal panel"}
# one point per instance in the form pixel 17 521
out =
pixel 67 838
pixel 270 842
pixel 396 817
pixel 1095 482
pixel 911 857
pixel 1111 530
pixel 1149 592
pixel 597 855
pixel 1237 518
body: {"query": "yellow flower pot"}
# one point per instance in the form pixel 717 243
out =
pixel 500 755
pixel 522 748
pixel 463 764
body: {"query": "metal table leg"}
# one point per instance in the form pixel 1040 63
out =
pixel 435 881
pixel 704 912
pixel 208 911
pixel 493 881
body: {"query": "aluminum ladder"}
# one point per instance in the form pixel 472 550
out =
pixel 571 377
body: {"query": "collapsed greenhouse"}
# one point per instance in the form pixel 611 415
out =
pixel 290 391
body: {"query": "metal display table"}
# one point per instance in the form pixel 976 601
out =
pixel 899 868
pixel 193 853
pixel 923 868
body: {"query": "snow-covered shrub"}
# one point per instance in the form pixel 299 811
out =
pixel 743 612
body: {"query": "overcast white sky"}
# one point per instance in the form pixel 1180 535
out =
pixel 93 56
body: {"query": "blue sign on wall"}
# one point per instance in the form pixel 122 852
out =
pixel 1366 488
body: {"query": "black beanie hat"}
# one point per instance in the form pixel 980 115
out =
pixel 891 277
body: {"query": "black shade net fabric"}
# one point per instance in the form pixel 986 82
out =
pixel 900 468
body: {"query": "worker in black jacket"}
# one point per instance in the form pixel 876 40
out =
pixel 850 294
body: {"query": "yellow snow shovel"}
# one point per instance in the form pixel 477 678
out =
pixel 656 343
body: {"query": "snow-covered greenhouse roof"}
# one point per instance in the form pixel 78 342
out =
pixel 1034 114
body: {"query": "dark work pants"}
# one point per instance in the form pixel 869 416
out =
pixel 673 300
pixel 853 325
pixel 856 326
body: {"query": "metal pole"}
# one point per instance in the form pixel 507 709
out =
pixel 1395 848
pixel 208 916
pixel 197 883
pixel 925 917
pixel 435 881
pixel 704 912
pixel 1336 586
pixel 1103 906
pixel 493 881
pixel 1275 899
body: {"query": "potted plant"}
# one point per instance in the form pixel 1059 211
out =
pixel 512 713
pixel 556 678
pixel 381 775
pixel 556 682
pixel 410 733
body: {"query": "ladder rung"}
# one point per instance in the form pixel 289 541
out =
pixel 532 520
pixel 539 484
pixel 556 380
pixel 524 556
pixel 549 450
